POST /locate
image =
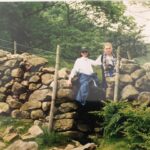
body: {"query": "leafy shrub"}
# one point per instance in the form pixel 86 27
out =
pixel 49 139
pixel 123 120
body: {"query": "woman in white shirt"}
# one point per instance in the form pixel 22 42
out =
pixel 83 67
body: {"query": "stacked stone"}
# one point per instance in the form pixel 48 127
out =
pixel 26 89
pixel 134 81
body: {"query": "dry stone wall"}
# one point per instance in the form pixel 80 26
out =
pixel 26 89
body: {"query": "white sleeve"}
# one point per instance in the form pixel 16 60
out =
pixel 75 69
pixel 96 62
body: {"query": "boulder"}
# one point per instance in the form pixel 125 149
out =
pixel 36 114
pixel 47 78
pixel 69 115
pixel 36 61
pixel 20 114
pixel 21 145
pixel 137 74
pixel 18 88
pixel 23 97
pixel 11 63
pixel 30 105
pixel 40 95
pixel 4 107
pixel 25 83
pixel 62 84
pixel 16 113
pixel 13 103
pixel 3 53
pixel 33 132
pixel 25 114
pixel 34 79
pixel 34 86
pixel 64 124
pixel 125 78
pixel 63 73
pixel 129 68
pixel 10 137
pixel 65 93
pixel 50 70
pixel 68 107
pixel 146 66
pixel 46 106
pixel 144 98
pixel 3 89
pixel 7 72
pixel 143 83
pixel 17 73
pixel 2 145
pixel 128 92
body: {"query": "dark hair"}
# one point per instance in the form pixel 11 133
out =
pixel 84 51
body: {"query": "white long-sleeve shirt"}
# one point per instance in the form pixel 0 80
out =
pixel 84 65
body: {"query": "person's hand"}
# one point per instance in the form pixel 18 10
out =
pixel 69 83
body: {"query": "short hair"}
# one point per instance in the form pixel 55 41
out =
pixel 107 44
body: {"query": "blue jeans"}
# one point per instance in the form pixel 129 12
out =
pixel 83 91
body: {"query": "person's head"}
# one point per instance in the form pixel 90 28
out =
pixel 84 52
pixel 108 48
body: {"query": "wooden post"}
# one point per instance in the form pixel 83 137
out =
pixel 117 76
pixel 129 55
pixel 15 47
pixel 54 92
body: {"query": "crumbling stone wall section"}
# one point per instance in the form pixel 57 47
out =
pixel 26 89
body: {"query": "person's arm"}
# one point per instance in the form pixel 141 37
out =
pixel 96 62
pixel 74 71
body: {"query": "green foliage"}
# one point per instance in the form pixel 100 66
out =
pixel 43 25
pixel 123 120
pixel 49 139
pixel 22 125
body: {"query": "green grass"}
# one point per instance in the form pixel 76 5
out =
pixel 113 144
pixel 48 139
pixel 6 121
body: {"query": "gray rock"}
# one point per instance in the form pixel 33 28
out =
pixel 63 73
pixel 137 74
pixel 65 93
pixel 4 107
pixel 125 78
pixel 34 86
pixel 69 115
pixel 17 73
pixel 143 83
pixel 13 103
pixel 144 98
pixel 36 114
pixel 46 106
pixel 21 145
pixel 129 91
pixel 11 63
pixel 129 68
pixel 48 70
pixel 34 79
pixel 30 105
pixel 18 88
pixel 63 124
pixel 67 107
pixel 47 78
pixel 40 95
